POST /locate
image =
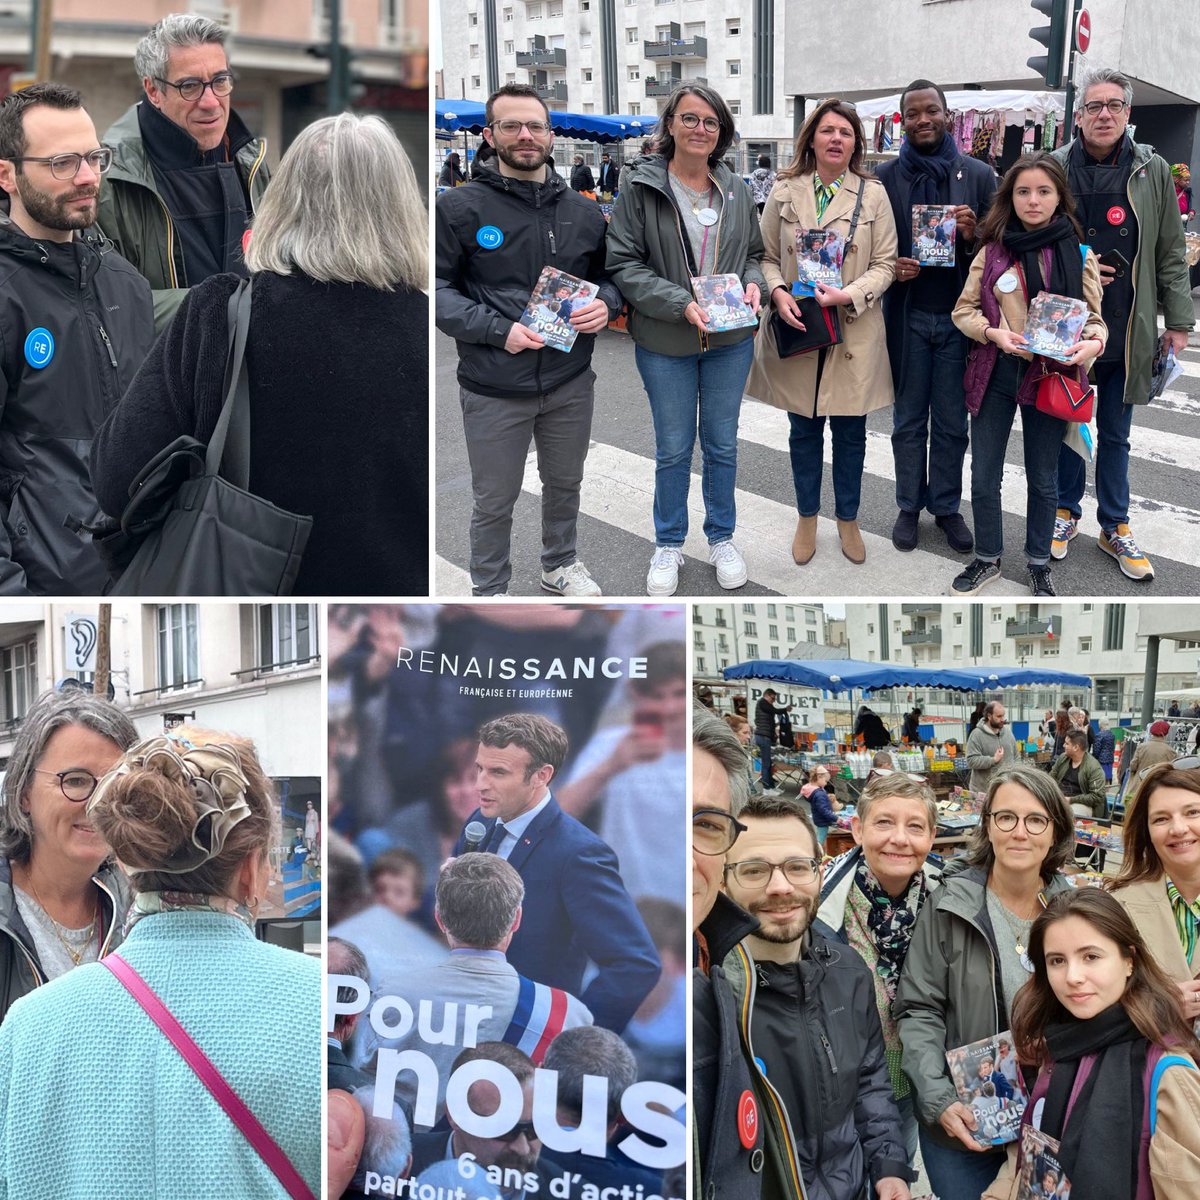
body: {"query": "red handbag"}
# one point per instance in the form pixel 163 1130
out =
pixel 1062 396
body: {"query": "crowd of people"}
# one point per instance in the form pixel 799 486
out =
pixel 1095 224
pixel 119 257
pixel 1089 992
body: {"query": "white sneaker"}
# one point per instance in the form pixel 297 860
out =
pixel 731 566
pixel 663 577
pixel 571 580
pixel 775 791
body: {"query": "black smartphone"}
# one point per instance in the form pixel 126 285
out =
pixel 1116 260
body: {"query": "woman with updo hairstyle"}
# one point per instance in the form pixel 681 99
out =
pixel 89 1081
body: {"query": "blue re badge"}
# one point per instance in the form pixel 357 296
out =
pixel 39 347
pixel 489 237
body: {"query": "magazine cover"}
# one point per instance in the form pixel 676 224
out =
pixel 819 255
pixel 556 296
pixel 986 1077
pixel 1054 324
pixel 508 941
pixel 723 301
pixel 1164 370
pixel 1041 1177
pixel 933 228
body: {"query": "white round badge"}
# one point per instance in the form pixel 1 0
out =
pixel 1007 282
pixel 708 216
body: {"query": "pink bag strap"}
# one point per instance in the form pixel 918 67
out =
pixel 268 1149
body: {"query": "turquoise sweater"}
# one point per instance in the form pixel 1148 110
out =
pixel 95 1101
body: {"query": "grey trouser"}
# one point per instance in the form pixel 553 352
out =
pixel 498 432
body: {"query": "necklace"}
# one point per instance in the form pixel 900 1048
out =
pixel 705 212
pixel 1019 928
pixel 76 956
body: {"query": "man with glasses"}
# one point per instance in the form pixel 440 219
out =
pixel 1130 217
pixel 991 747
pixel 807 1006
pixel 75 324
pixel 187 172
pixel 494 236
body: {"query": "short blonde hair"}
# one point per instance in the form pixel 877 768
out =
pixel 902 787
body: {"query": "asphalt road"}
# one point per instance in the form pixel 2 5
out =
pixel 616 538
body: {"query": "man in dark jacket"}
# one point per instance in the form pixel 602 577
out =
pixel 75 324
pixel 765 712
pixel 494 236
pixel 187 172
pixel 928 354
pixel 809 1017
pixel 345 958
pixel 607 182
pixel 582 179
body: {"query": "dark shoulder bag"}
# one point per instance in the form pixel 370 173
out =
pixel 822 327
pixel 216 538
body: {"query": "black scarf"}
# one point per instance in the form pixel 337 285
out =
pixel 891 921
pixel 1066 261
pixel 1102 1137
pixel 923 180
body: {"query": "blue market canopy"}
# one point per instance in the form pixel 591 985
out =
pixel 456 115
pixel 1025 676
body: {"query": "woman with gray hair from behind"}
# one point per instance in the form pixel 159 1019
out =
pixel 336 358
pixel 62 901
pixel 188 1063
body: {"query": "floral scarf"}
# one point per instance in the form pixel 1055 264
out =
pixel 890 921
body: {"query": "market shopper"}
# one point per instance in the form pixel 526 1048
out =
pixel 991 747
pixel 968 960
pixel 1154 750
pixel 1104 748
pixel 826 188
pixel 683 214
pixel 1080 777
pixel 766 712
pixel 1031 243
pixel 823 806
pixel 1130 215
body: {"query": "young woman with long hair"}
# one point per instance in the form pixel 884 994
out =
pixel 1097 1018
pixel 1030 242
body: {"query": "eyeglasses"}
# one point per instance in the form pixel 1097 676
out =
pixel 66 166
pixel 521 1127
pixel 77 784
pixel 756 873
pixel 691 121
pixel 510 128
pixel 714 831
pixel 192 89
pixel 1035 823
pixel 1095 107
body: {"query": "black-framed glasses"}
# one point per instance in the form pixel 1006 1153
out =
pixel 714 831
pixel 66 166
pixel 1034 822
pixel 510 127
pixel 756 873
pixel 192 89
pixel 1095 107
pixel 1190 763
pixel 692 121
pixel 77 784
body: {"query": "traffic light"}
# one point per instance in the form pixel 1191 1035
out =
pixel 344 87
pixel 1054 37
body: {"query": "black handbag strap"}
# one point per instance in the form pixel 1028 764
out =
pixel 862 187
pixel 229 447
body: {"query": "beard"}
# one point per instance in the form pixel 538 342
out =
pixel 509 1158
pixel 521 160
pixel 52 212
pixel 795 929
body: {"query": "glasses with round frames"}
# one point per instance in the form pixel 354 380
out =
pixel 692 121
pixel 714 831
pixel 66 166
pixel 756 873
pixel 193 89
pixel 1034 823
pixel 77 784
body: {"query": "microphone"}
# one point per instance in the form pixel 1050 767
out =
pixel 473 836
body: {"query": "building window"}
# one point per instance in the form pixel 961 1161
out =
pixel 287 635
pixel 733 66
pixel 510 77
pixel 733 28
pixel 510 47
pixel 791 635
pixel 870 630
pixel 178 629
pixel 699 666
pixel 589 107
pixel 774 651
pixel 698 639
pixel 508 14
pixel 772 631
pixel 555 10
pixel 957 652
pixel 473 52
pixel 587 76
pixel 748 609
pixel 1114 626
pixel 20 679
pixel 751 628
pixel 789 612
pixel 958 618
pixel 812 636
pixel 1049 649
pixel 533 12
pixel 475 81
pixel 631 35
pixel 751 649
pixel 735 108
pixel 995 649
pixel 472 19
pixel 997 615
pixel 635 110
pixel 771 613
pixel 635 74
pixel 585 6
pixel 1024 649
pixel 1085 645
pixel 810 617
pixel 724 663
pixel 1085 608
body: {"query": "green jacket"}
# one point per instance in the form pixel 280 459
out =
pixel 1160 272
pixel 134 216
pixel 950 992
pixel 1093 787
pixel 649 262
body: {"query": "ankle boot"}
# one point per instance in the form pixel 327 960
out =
pixel 804 544
pixel 852 543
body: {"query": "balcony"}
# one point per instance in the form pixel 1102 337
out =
pixel 923 637
pixel 552 93
pixel 677 49
pixel 1033 627
pixel 664 87
pixel 542 58
pixel 923 608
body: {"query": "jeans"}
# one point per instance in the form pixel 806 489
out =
pixel 805 446
pixel 930 409
pixel 1113 419
pixel 712 384
pixel 958 1174
pixel 1041 436
pixel 764 750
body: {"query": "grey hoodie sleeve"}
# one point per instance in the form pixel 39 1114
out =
pixel 977 757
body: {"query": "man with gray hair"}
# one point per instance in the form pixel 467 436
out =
pixel 1130 217
pixel 478 908
pixel 345 958
pixel 187 173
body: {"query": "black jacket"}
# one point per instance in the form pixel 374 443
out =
pixel 339 419
pixel 482 292
pixel 725 1166
pixel 765 713
pixel 582 179
pixel 608 177
pixel 875 734
pixel 98 312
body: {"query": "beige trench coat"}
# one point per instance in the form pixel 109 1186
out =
pixel 857 378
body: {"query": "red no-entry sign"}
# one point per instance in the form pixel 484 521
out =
pixel 1083 32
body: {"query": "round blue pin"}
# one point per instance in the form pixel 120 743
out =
pixel 39 347
pixel 489 237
